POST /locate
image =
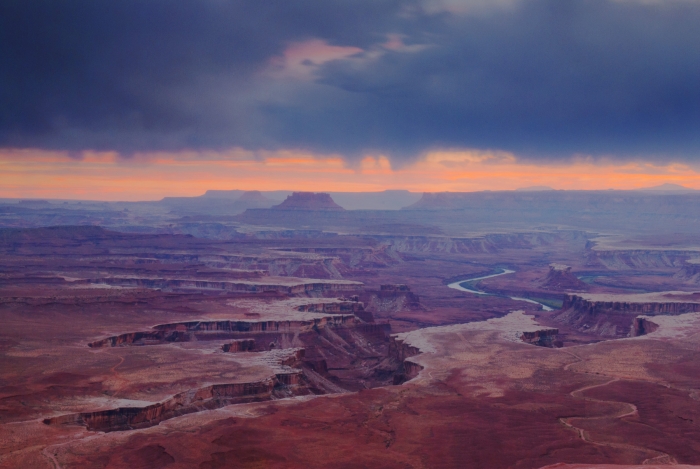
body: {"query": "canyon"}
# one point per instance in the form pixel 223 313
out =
pixel 287 330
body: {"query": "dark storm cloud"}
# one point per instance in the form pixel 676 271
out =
pixel 545 78
pixel 129 74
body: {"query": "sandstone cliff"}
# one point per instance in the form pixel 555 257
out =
pixel 642 326
pixel 209 397
pixel 610 315
pixel 243 345
pixel 286 381
pixel 218 330
pixel 542 338
pixel 401 352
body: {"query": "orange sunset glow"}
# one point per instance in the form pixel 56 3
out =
pixel 107 176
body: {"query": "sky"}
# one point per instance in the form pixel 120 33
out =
pixel 136 100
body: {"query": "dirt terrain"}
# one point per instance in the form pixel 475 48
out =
pixel 344 343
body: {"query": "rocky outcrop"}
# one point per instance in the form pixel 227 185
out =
pixel 642 326
pixel 308 201
pixel 411 369
pixel 401 352
pixel 243 345
pixel 292 357
pixel 407 371
pixel 560 278
pixel 292 377
pixel 541 338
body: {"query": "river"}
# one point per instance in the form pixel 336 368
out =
pixel 460 286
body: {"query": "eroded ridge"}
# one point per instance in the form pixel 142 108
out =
pixel 219 330
pixel 291 316
pixel 319 353
pixel 286 381
pixel 282 285
pixel 541 337
pixel 613 315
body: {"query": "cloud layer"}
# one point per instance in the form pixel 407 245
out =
pixel 544 79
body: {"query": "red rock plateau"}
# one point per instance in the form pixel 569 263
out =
pixel 455 336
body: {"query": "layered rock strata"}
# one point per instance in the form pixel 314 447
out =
pixel 244 345
pixel 207 398
pixel 611 315
pixel 642 326
pixel 286 381
pixel 219 330
pixel 541 338
pixel 292 316
pixel 654 303
pixel 401 351
pixel 265 285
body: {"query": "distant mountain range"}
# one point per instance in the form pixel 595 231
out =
pixel 380 200
pixel 534 189
pixel 668 188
